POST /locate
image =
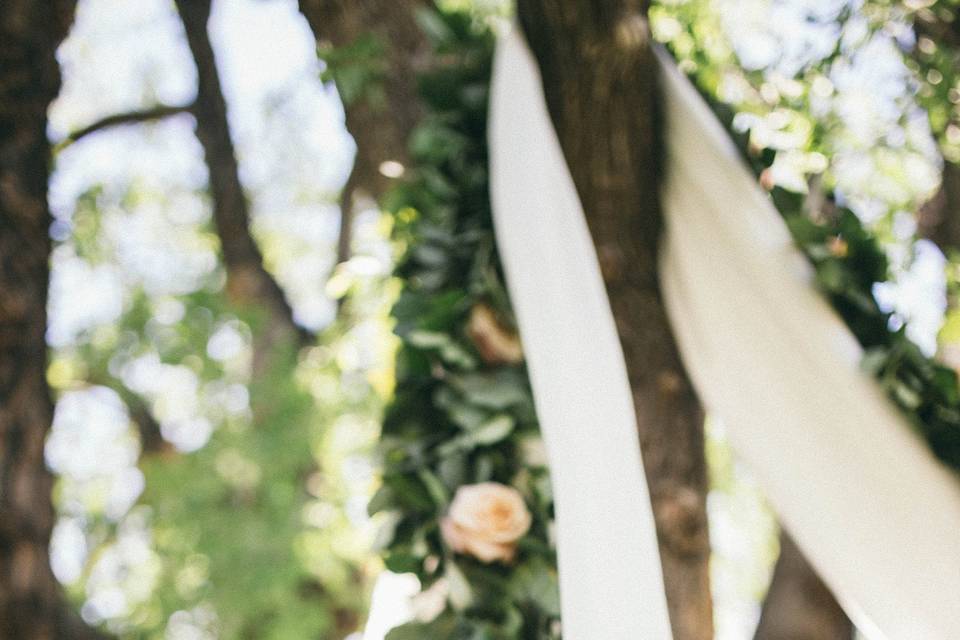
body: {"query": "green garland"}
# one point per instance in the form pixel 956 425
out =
pixel 463 411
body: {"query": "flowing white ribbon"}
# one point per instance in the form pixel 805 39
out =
pixel 872 509
pixel 860 492
pixel 611 583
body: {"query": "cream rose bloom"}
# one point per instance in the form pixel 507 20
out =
pixel 485 520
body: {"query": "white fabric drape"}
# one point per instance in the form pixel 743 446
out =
pixel 864 498
pixel 862 495
pixel 611 584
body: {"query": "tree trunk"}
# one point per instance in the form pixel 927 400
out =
pixel 380 127
pixel 939 218
pixel 799 606
pixel 248 282
pixel 600 80
pixel 31 605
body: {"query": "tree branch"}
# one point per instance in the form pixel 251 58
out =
pixel 798 604
pixel 379 130
pixel 151 438
pixel 131 117
pixel 248 282
pixel 938 220
pixel 345 235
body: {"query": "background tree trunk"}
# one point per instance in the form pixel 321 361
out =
pixel 799 606
pixel 248 282
pixel 939 218
pixel 600 80
pixel 379 126
pixel 31 605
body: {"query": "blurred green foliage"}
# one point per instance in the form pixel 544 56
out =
pixel 460 414
pixel 247 532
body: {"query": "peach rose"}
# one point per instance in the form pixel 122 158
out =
pixel 485 520
pixel 495 343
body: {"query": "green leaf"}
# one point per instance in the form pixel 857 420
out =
pixel 490 432
pixel 356 68
pixel 400 562
pixel 453 471
pixel 410 492
pixel 433 25
pixel 387 531
pixel 908 397
pixel 467 416
pixel 536 581
pixel 427 339
pixel 440 629
pixel 494 430
pixel 382 499
pixel 435 487
pixel 461 595
pixel 874 361
pixel 498 390
pixel 483 469
pixel 448 349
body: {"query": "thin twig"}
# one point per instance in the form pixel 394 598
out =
pixel 130 117
pixel 345 236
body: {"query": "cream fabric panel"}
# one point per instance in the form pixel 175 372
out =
pixel 862 495
pixel 611 584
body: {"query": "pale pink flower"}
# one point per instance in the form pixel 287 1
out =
pixel 485 521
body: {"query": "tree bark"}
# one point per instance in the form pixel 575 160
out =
pixel 248 282
pixel 380 128
pixel 799 606
pixel 600 80
pixel 158 112
pixel 939 218
pixel 31 605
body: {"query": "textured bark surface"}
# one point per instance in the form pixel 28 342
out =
pixel 130 117
pixel 248 282
pixel 939 218
pixel 600 81
pixel 379 128
pixel 31 605
pixel 799 606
